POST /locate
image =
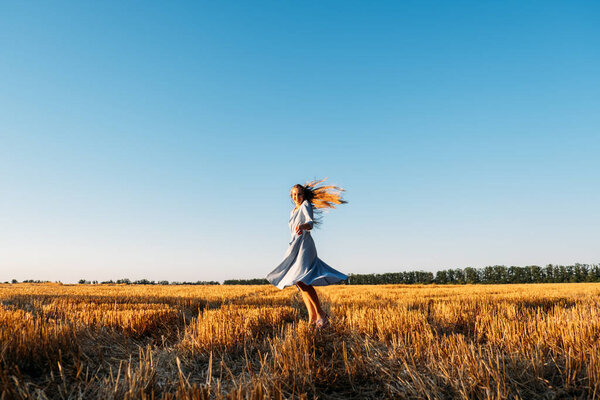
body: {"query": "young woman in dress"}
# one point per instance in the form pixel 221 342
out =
pixel 301 266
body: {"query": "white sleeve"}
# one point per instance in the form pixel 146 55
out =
pixel 308 213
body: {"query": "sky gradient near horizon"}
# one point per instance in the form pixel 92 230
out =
pixel 160 140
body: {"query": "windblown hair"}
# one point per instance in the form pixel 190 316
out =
pixel 321 197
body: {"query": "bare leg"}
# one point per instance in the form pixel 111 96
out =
pixel 312 312
pixel 314 299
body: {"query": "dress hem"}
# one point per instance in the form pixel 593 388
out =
pixel 322 280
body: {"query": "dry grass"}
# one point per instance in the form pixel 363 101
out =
pixel 251 342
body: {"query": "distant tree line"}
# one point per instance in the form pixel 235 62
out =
pixel 496 274
pixel 411 277
pixel 257 281
pixel 146 282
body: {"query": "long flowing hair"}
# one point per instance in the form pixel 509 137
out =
pixel 321 197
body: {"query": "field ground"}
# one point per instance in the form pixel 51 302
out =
pixel 252 342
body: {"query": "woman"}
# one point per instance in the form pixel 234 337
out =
pixel 301 266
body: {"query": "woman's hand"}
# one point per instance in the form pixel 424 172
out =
pixel 302 227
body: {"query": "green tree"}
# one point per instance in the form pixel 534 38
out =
pixel 471 275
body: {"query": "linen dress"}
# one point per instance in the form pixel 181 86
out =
pixel 300 263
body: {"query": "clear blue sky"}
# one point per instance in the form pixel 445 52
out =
pixel 159 140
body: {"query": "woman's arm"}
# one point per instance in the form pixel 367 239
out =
pixel 303 227
pixel 306 227
pixel 308 217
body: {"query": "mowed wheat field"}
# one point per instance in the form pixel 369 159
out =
pixel 252 342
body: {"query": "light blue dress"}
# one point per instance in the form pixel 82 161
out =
pixel 301 263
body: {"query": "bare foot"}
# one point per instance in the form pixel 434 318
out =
pixel 322 323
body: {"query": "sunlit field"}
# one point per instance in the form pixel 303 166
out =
pixel 252 342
